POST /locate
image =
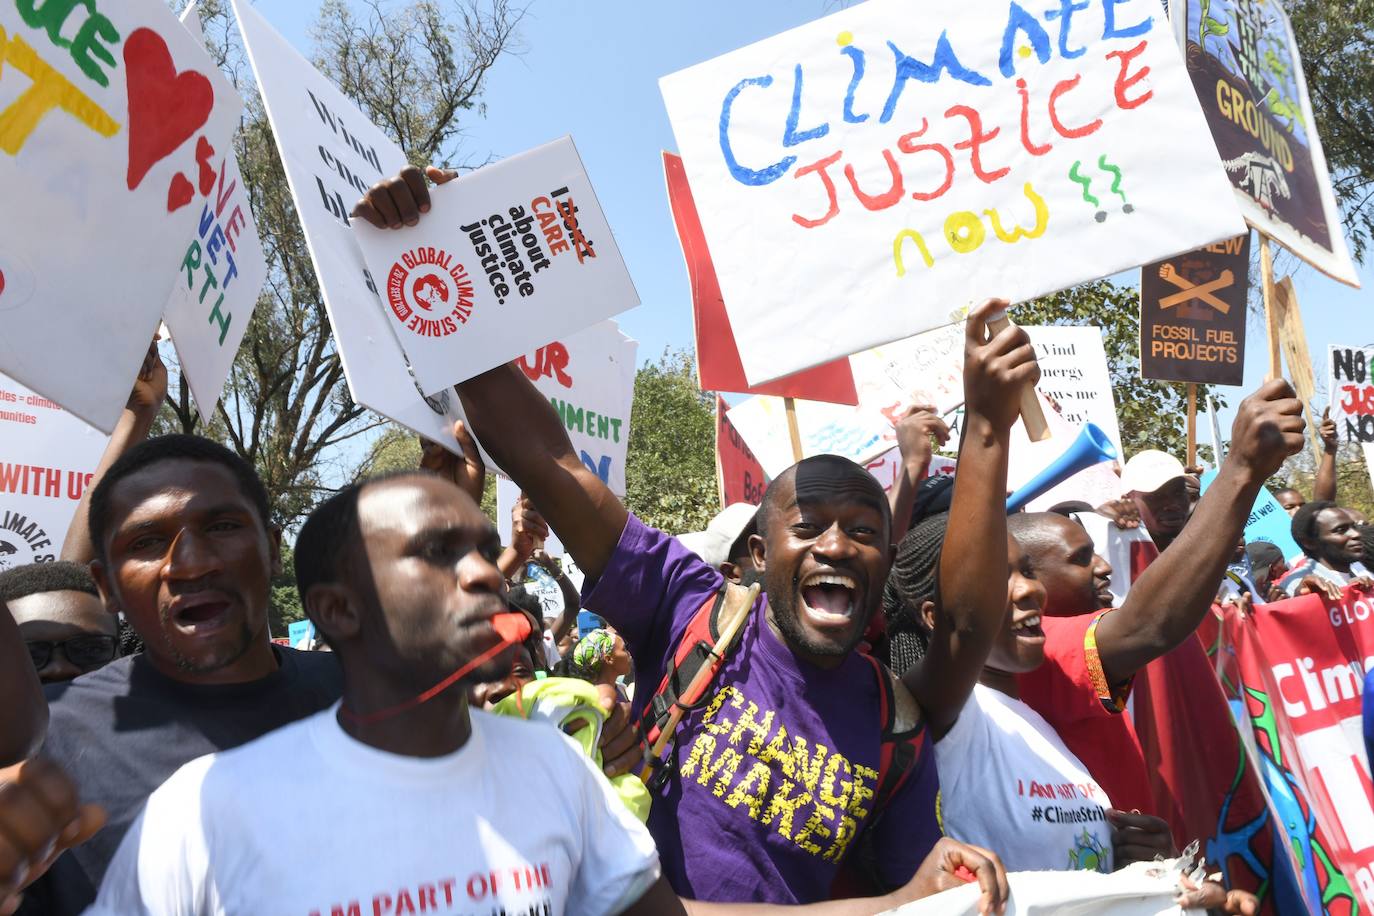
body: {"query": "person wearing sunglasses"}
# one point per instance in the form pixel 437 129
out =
pixel 61 618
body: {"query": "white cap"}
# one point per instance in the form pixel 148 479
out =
pixel 1149 470
pixel 713 544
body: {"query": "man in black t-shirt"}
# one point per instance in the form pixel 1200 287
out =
pixel 184 547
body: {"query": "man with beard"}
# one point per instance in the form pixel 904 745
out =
pixel 1333 550
pixel 185 548
pixel 1092 653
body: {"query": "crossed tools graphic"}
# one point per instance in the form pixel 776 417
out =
pixel 1190 290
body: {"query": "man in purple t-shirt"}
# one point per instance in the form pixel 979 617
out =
pixel 771 786
pixel 771 781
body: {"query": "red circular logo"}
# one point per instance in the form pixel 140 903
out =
pixel 429 292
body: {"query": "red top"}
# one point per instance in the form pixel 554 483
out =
pixel 1072 693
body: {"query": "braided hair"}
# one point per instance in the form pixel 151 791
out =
pixel 911 583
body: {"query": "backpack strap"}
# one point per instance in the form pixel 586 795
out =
pixel 903 739
pixel 701 652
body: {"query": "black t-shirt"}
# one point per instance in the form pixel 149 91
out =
pixel 119 732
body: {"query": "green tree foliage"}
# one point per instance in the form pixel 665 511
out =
pixel 398 449
pixel 670 475
pixel 1353 487
pixel 285 606
pixel 1151 414
pixel 1336 41
pixel 418 69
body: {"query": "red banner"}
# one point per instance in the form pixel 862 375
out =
pixel 1298 668
pixel 718 364
pixel 742 477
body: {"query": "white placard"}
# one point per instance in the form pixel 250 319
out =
pixel 507 257
pixel 221 273
pixel 863 177
pixel 47 458
pixel 924 370
pixel 589 379
pixel 332 154
pixel 104 114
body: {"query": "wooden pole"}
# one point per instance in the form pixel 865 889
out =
pixel 720 469
pixel 793 429
pixel 1271 318
pixel 1032 417
pixel 1192 426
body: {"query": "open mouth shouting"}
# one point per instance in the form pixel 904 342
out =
pixel 1025 626
pixel 199 613
pixel 830 599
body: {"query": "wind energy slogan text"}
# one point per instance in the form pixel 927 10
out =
pixel 919 151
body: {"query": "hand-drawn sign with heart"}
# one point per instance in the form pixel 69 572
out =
pixel 165 107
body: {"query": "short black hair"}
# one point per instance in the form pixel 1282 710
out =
pixel 1032 530
pixel 764 517
pixel 172 448
pixel 324 545
pixel 1288 490
pixel 1304 526
pixel 37 578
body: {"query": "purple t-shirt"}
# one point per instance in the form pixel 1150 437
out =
pixel 773 778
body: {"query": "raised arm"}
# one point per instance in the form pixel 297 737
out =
pixel 971 600
pixel 1166 604
pixel 914 431
pixel 1325 486
pixel 518 426
pixel 527 528
pixel 23 711
pixel 145 400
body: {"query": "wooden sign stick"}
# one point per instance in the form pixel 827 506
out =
pixel 1037 430
pixel 1192 427
pixel 793 430
pixel 1271 318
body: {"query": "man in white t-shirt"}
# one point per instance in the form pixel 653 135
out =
pixel 419 804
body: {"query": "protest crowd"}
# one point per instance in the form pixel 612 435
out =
pixel 975 686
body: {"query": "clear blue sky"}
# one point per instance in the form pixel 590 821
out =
pixel 591 69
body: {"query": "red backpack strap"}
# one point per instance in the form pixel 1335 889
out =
pixel 903 736
pixel 701 652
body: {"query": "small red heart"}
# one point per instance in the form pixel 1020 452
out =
pixel 165 107
pixel 179 193
pixel 2 281
pixel 207 172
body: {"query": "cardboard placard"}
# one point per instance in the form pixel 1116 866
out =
pixel 863 177
pixel 1293 340
pixel 1244 64
pixel 220 276
pixel 742 477
pixel 589 378
pixel 110 120
pixel 47 459
pixel 1192 315
pixel 1350 381
pixel 507 257
pixel 332 154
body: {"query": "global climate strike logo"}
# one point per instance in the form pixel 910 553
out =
pixel 22 541
pixel 429 292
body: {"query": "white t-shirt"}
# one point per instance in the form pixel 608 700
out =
pixel 308 821
pixel 1309 566
pixel 1008 783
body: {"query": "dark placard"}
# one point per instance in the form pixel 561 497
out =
pixel 1192 315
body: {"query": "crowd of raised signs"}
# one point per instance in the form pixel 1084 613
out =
pixel 842 699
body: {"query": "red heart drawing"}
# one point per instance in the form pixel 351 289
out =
pixel 179 193
pixel 165 107
pixel 2 281
pixel 207 172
